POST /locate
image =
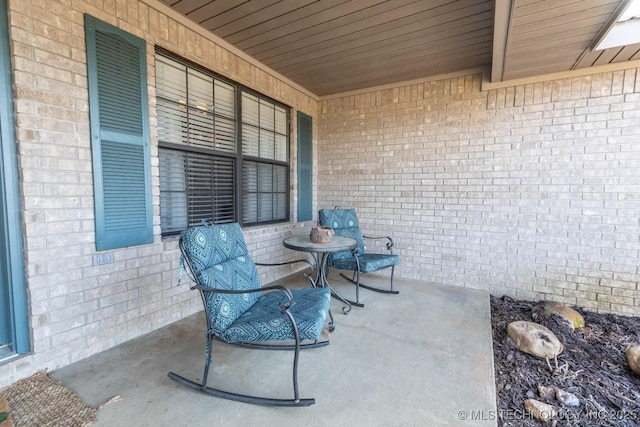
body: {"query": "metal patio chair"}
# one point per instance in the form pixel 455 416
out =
pixel 344 222
pixel 239 311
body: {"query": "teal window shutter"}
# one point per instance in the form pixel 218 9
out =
pixel 119 115
pixel 305 167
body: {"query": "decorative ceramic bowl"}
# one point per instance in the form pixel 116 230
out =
pixel 321 234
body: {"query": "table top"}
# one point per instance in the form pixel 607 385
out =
pixel 303 243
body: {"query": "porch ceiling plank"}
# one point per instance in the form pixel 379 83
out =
pixel 390 44
pixel 572 45
pixel 542 12
pixel 547 34
pixel 358 81
pixel 291 22
pixel 337 41
pixel 566 21
pixel 608 56
pixel 251 8
pixel 528 2
pixel 589 59
pixel 626 53
pixel 526 61
pixel 522 73
pixel 328 20
pixel 426 38
pixel 356 25
pixel 268 13
pixel 187 6
pixel 438 52
pixel 408 69
pixel 210 9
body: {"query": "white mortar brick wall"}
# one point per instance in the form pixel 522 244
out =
pixel 77 309
pixel 531 191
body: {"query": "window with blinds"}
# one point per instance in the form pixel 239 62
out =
pixel 223 150
pixel 265 168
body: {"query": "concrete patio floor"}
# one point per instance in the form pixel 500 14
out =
pixel 420 358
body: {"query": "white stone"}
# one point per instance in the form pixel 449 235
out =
pixel 534 339
pixel 540 410
pixel 566 398
pixel 546 392
pixel 632 355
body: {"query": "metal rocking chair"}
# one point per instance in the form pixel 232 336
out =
pixel 237 313
pixel 344 222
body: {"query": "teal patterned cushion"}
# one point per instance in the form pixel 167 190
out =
pixel 210 245
pixel 368 262
pixel 265 322
pixel 345 223
pixel 234 274
pixel 219 258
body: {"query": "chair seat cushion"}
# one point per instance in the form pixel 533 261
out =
pixel 264 321
pixel 368 262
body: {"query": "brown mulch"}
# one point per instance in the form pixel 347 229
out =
pixel 592 367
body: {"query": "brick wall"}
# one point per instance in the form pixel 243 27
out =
pixel 531 191
pixel 78 309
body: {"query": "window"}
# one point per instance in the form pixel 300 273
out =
pixel 265 168
pixel 224 150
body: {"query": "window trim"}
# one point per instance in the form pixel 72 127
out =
pixel 13 275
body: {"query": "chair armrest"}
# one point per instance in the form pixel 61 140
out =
pixel 389 240
pixel 306 275
pixel 281 288
pixel 273 264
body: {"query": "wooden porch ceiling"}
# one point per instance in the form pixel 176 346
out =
pixel 335 46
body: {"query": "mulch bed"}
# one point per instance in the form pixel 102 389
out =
pixel 592 367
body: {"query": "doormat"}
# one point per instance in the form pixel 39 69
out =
pixel 42 401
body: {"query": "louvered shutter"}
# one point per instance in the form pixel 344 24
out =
pixel 118 109
pixel 305 169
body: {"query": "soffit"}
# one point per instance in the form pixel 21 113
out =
pixel 337 46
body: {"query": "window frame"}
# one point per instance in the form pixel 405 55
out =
pixel 13 288
pixel 237 156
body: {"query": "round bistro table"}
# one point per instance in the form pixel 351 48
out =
pixel 320 253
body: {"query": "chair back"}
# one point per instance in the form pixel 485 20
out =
pixel 344 222
pixel 217 256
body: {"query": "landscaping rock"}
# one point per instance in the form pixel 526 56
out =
pixel 566 398
pixel 632 355
pixel 540 410
pixel 546 392
pixel 571 316
pixel 534 339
